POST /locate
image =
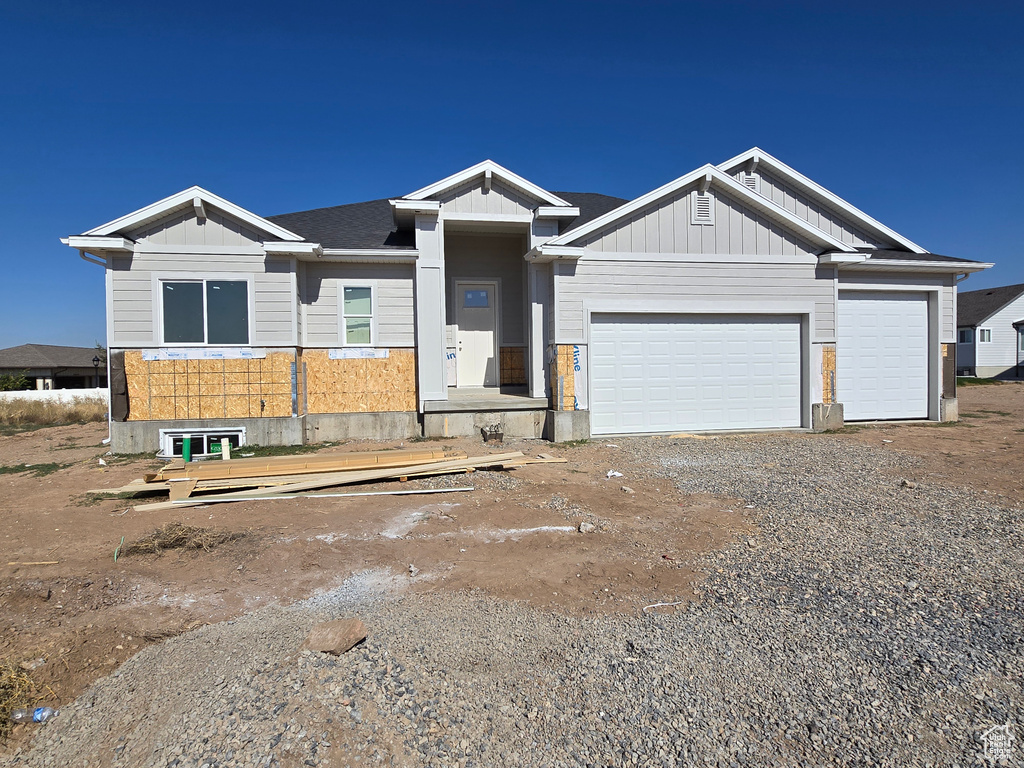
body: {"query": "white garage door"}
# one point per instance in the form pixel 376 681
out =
pixel 668 373
pixel 882 355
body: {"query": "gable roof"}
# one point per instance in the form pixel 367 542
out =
pixel 973 307
pixel 487 167
pixel 187 199
pixel 713 176
pixel 371 225
pixel 47 356
pixel 755 154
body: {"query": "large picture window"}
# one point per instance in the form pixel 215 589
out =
pixel 205 311
pixel 357 315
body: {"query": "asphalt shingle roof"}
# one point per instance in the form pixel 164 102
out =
pixel 47 356
pixel 974 306
pixel 370 224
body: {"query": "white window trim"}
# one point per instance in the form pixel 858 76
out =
pixel 372 285
pixel 970 336
pixel 982 332
pixel 693 208
pixel 160 278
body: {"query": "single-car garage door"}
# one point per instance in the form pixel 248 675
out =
pixel 882 355
pixel 667 373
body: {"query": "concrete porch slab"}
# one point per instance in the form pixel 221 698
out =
pixel 484 399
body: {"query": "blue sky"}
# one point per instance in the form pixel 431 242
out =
pixel 911 111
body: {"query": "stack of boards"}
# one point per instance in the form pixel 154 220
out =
pixel 292 476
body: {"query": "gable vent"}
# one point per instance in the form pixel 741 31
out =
pixel 702 210
pixel 751 181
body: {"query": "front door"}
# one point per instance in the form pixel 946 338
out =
pixel 477 338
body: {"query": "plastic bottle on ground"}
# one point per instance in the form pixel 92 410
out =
pixel 37 715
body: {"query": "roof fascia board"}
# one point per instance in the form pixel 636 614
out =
pixel 482 169
pixel 546 253
pixel 759 156
pixel 369 255
pixel 286 248
pixel 187 198
pixel 423 207
pixel 707 174
pixel 557 212
pixel 90 242
pixel 953 267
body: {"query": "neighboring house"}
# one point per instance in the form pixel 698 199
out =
pixel 990 332
pixel 46 366
pixel 738 296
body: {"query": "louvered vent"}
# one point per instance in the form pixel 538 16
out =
pixel 752 181
pixel 703 210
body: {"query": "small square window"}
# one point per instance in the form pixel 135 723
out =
pixel 965 336
pixel 985 335
pixel 476 299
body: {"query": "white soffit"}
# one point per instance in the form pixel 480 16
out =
pixel 488 169
pixel 187 199
pixel 707 175
pixel 760 157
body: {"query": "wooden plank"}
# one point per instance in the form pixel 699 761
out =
pixel 273 497
pixel 286 465
pixel 329 479
pixel 182 489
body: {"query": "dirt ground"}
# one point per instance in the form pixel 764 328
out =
pixel 514 536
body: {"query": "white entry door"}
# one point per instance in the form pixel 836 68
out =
pixel 882 355
pixel 667 373
pixel 477 338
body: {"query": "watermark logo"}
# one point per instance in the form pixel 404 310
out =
pixel 998 741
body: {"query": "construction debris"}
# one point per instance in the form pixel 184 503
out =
pixel 180 536
pixel 289 477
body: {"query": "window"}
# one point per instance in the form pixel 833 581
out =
pixel 984 335
pixel 965 336
pixel 1020 337
pixel 702 208
pixel 357 315
pixel 205 311
pixel 475 299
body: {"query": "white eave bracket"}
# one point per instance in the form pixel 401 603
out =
pixel 549 253
pixel 98 243
pixel 557 212
pixel 285 248
pixel 840 259
pixel 406 211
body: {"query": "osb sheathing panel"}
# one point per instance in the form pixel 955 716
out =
pixel 360 386
pixel 563 379
pixel 512 361
pixel 209 389
pixel 828 373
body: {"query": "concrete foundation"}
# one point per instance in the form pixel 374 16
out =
pixel 144 436
pixel 518 423
pixel 563 426
pixel 949 409
pixel 392 425
pixel 826 417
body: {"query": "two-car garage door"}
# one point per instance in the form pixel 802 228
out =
pixel 665 373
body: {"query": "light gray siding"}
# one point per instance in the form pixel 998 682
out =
pixel 909 281
pixel 185 228
pixel 395 307
pixel 815 213
pixel 136 303
pixel 665 227
pixel 744 288
pixel 1002 352
pixel 489 257
pixel 472 198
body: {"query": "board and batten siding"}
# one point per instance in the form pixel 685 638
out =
pixel 910 281
pixel 395 321
pixel 1002 351
pixel 135 301
pixel 676 286
pixel 666 227
pixel 489 257
pixel 471 197
pixel 815 213
pixel 185 228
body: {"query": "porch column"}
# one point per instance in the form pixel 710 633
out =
pixel 538 280
pixel 430 348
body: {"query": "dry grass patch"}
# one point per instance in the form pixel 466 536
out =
pixel 37 413
pixel 17 689
pixel 181 536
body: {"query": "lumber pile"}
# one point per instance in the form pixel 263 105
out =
pixel 296 476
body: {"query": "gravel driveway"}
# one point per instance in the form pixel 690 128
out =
pixel 868 622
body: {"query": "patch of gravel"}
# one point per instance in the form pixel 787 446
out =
pixel 866 623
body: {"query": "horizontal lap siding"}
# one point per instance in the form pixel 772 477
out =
pixel 395 310
pixel 666 227
pixel 740 286
pixel 814 213
pixel 1002 350
pixel 135 303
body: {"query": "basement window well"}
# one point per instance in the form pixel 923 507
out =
pixel 205 311
pixel 204 442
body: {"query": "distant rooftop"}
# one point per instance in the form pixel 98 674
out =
pixel 972 307
pixel 47 356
